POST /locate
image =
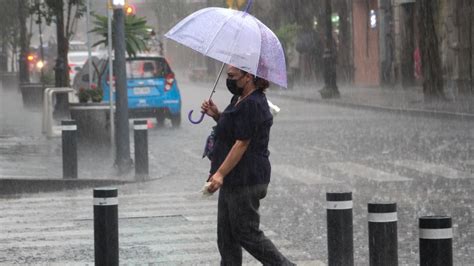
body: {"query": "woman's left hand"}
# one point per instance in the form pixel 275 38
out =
pixel 216 182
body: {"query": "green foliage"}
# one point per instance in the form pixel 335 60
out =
pixel 9 34
pixel 287 34
pixel 48 10
pixel 48 77
pixel 137 33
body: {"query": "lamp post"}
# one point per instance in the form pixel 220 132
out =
pixel 89 53
pixel 330 87
pixel 111 78
pixel 122 138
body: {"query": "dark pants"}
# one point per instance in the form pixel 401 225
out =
pixel 238 224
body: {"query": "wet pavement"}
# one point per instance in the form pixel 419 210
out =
pixel 394 99
pixel 424 163
pixel 156 228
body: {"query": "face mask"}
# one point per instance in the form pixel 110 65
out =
pixel 233 88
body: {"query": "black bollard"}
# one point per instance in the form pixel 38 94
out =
pixel 69 147
pixel 436 241
pixel 141 148
pixel 106 247
pixel 340 232
pixel 383 247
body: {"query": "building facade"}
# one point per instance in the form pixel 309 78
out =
pixel 385 43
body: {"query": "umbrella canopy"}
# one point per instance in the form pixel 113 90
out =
pixel 235 38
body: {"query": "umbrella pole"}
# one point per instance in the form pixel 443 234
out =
pixel 217 80
pixel 210 96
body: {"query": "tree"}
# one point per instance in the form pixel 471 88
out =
pixel 22 6
pixel 429 49
pixel 8 31
pixel 137 33
pixel 53 12
pixel 330 89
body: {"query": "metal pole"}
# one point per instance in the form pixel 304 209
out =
pixel 40 31
pixel 122 143
pixel 111 82
pixel 141 149
pixel 69 148
pixel 106 238
pixel 340 232
pixel 88 4
pixel 383 234
pixel 436 241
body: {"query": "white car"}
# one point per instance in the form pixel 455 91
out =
pixel 76 60
pixel 77 46
pixel 77 56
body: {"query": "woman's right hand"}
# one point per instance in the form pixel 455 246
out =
pixel 210 108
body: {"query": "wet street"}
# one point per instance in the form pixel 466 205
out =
pixel 424 164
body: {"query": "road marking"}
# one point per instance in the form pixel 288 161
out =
pixel 314 149
pixel 324 150
pixel 302 175
pixel 170 228
pixel 143 197
pixel 67 215
pixel 354 169
pixel 6 211
pixel 434 169
pixel 36 177
pixel 469 163
pixel 445 145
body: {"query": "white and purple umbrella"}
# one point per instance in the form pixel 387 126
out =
pixel 233 37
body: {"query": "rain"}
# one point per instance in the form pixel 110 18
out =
pixel 376 98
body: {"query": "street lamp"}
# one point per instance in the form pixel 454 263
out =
pixel 130 10
pixel 118 4
pixel 122 137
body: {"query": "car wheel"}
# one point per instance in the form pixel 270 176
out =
pixel 160 121
pixel 176 120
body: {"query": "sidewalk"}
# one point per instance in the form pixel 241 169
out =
pixel 408 100
pixel 30 162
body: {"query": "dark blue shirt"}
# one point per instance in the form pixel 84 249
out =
pixel 248 120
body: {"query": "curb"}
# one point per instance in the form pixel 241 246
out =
pixel 405 111
pixel 11 186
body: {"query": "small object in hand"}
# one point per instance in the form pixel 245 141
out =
pixel 205 191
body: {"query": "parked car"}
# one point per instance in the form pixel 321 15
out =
pixel 76 60
pixel 77 56
pixel 152 87
pixel 75 46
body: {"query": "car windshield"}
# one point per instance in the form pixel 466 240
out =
pixel 147 68
pixel 77 58
pixel 77 47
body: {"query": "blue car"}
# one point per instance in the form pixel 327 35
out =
pixel 151 84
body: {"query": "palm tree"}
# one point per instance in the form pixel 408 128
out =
pixel 136 33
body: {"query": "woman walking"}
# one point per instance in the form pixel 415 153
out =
pixel 240 168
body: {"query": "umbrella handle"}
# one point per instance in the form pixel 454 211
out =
pixel 190 114
pixel 212 93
